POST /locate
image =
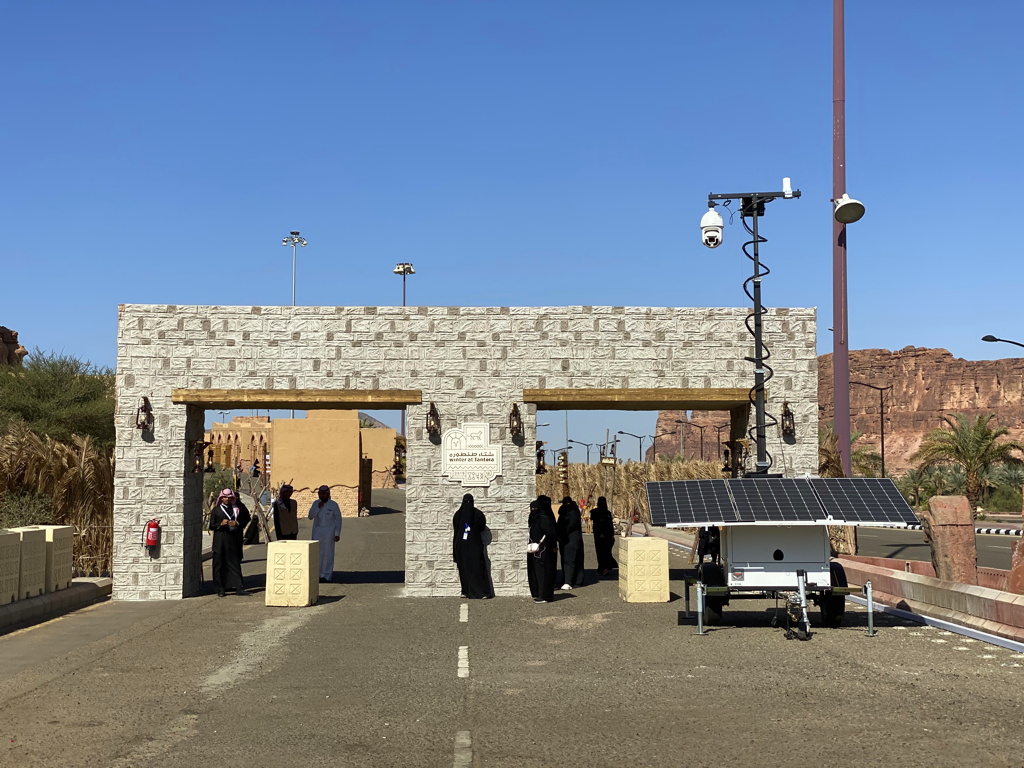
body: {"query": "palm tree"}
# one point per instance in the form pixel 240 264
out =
pixel 970 444
pixel 912 485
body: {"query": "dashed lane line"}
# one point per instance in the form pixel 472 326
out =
pixel 464 613
pixel 463 749
pixel 463 661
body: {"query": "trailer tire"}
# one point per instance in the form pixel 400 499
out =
pixel 711 575
pixel 833 607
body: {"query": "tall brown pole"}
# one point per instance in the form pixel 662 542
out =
pixel 840 335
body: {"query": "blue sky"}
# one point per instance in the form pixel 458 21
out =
pixel 518 153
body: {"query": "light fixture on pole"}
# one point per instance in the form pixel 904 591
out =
pixel 701 427
pixel 404 269
pixel 654 443
pixel 990 337
pixel 751 207
pixel 585 445
pixel 881 414
pixel 295 241
pixel 638 437
pixel 718 436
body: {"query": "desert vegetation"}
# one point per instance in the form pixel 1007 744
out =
pixel 56 453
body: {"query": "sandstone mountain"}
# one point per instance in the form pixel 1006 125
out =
pixel 926 385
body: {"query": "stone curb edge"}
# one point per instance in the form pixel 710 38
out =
pixel 34 610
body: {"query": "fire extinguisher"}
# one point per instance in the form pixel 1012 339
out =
pixel 151 537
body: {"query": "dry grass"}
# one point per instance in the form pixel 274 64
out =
pixel 77 478
pixel 623 484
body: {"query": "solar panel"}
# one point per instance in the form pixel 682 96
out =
pixel 863 500
pixel 675 503
pixel 849 501
pixel 774 500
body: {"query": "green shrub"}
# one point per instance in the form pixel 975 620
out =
pixel 26 508
pixel 1005 498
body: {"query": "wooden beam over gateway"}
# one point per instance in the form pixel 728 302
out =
pixel 301 399
pixel 668 399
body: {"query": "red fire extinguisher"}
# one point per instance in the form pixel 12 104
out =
pixel 151 538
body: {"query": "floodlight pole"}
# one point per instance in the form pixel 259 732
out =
pixel 752 205
pixel 840 316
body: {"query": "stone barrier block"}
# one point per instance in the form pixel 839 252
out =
pixel 60 544
pixel 32 573
pixel 643 569
pixel 292 573
pixel 10 566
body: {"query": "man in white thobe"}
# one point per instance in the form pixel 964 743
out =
pixel 326 516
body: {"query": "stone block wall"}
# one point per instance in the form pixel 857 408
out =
pixel 473 363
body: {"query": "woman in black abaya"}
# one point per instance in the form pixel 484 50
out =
pixel 604 536
pixel 468 550
pixel 228 519
pixel 570 541
pixel 542 559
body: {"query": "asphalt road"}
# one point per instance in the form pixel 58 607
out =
pixel 369 678
pixel 993 551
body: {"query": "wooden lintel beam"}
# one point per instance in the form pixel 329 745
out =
pixel 304 399
pixel 679 399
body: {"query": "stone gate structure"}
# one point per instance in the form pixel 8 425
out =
pixel 472 364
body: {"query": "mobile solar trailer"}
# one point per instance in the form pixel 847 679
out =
pixel 774 537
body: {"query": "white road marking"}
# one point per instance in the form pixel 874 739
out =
pixel 464 613
pixel 463 749
pixel 463 661
pixel 998 546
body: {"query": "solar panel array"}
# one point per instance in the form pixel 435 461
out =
pixel 855 500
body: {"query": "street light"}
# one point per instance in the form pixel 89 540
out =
pixel 586 445
pixel 404 269
pixel 654 444
pixel 701 427
pixel 881 413
pixel 681 423
pixel 990 337
pixel 718 436
pixel 294 241
pixel 638 437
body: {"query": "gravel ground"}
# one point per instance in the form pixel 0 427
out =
pixel 369 678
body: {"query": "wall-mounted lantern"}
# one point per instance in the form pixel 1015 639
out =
pixel 198 450
pixel 788 421
pixel 515 422
pixel 541 466
pixel 144 415
pixel 433 422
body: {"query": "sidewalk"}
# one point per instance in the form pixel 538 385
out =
pixel 82 592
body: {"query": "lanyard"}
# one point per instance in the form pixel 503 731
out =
pixel 230 512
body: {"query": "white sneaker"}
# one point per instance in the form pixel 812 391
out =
pixel 567 586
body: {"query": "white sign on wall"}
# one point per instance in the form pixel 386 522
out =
pixel 468 456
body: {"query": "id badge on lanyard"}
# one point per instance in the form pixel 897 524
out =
pixel 465 533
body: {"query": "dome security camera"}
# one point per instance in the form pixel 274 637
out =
pixel 711 228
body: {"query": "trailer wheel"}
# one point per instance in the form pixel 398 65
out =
pixel 833 607
pixel 711 575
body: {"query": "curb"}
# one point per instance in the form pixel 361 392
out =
pixel 977 529
pixel 34 610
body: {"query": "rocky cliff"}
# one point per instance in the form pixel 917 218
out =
pixel 926 385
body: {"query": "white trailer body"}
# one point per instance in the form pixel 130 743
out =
pixel 767 557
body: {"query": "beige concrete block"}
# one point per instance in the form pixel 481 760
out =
pixel 292 573
pixel 643 569
pixel 10 566
pixel 32 573
pixel 60 545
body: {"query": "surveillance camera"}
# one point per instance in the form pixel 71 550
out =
pixel 711 228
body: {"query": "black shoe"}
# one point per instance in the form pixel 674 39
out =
pixel 220 593
pixel 240 592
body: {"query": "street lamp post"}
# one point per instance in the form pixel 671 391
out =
pixel 881 414
pixel 295 241
pixel 585 445
pixel 718 437
pixel 701 427
pixel 681 424
pixel 404 269
pixel 990 337
pixel 654 443
pixel 638 437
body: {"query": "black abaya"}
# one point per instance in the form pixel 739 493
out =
pixel 570 541
pixel 227 545
pixel 604 536
pixel 542 565
pixel 468 549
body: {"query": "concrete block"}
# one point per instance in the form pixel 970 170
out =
pixel 60 544
pixel 292 573
pixel 32 573
pixel 10 566
pixel 643 569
